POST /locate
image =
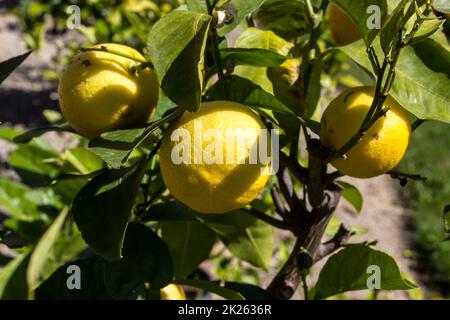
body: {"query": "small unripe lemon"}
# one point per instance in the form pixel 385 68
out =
pixel 383 145
pixel 215 175
pixel 343 29
pixel 102 91
pixel 172 292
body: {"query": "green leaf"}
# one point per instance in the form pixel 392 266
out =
pixel 55 248
pixel 13 284
pixel 240 9
pixel 190 244
pixel 83 160
pixel 447 221
pixel 146 259
pixel 422 77
pixel 352 195
pixel 442 6
pixel 428 28
pixel 260 39
pixel 8 66
pixel 92 282
pixel 285 17
pixel 390 35
pixel 244 91
pixel 103 207
pixel 252 57
pixel 115 147
pixel 210 286
pixel 247 237
pixel 249 291
pixel 23 203
pixel 37 132
pixel 334 225
pixel 169 211
pixel 347 270
pixel 176 46
pixel 357 11
pixel 197 6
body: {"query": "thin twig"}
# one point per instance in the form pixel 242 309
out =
pixel 278 202
pixel 342 235
pixel 268 219
pixel 214 41
pixel 297 170
pixel 417 124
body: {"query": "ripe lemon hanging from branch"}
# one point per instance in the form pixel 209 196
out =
pixel 106 88
pixel 203 164
pixel 382 146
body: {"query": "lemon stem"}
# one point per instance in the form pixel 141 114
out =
pixel 214 42
pixel 376 110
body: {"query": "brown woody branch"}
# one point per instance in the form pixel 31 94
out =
pixel 342 236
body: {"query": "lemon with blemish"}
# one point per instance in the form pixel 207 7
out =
pixel 382 146
pixel 103 91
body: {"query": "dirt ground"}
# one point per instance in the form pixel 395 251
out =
pixel 25 94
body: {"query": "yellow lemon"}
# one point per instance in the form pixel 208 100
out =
pixel 172 292
pixel 102 91
pixel 381 148
pixel 210 159
pixel 343 29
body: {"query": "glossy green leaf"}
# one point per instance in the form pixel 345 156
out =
pixel 13 283
pixel 189 242
pixel 170 211
pixel 347 270
pixel 37 132
pixel 334 225
pixel 244 91
pixel 447 222
pixel 240 9
pixel 197 6
pixel 249 291
pixel 146 259
pixel 423 77
pixel 91 280
pixel 260 39
pixel 55 248
pixel 115 147
pixel 252 57
pixel 103 207
pixel 390 35
pixel 212 287
pixel 8 66
pixel 284 17
pixel 247 237
pixel 176 46
pixel 358 12
pixel 83 160
pixel 22 203
pixel 352 195
pixel 428 28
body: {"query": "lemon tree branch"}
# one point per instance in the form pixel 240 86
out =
pixel 214 41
